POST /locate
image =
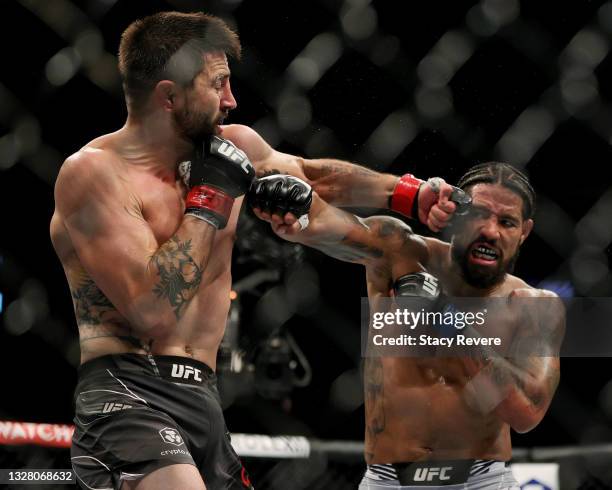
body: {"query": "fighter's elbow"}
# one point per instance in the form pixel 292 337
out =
pixel 522 415
pixel 523 424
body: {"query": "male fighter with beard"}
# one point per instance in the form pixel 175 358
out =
pixel 442 422
pixel 147 254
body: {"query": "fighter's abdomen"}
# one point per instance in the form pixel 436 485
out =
pixel 419 415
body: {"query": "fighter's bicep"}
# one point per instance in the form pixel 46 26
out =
pixel 116 233
pixel 379 280
pixel 550 332
pixel 535 347
pixel 400 247
pixel 117 257
pixel 264 158
pixel 540 323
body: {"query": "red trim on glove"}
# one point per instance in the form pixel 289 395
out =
pixel 404 194
pixel 205 197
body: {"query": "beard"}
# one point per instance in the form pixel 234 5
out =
pixel 478 276
pixel 196 125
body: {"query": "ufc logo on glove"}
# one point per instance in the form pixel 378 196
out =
pixel 230 151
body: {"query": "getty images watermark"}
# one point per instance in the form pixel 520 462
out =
pixel 514 326
pixel 431 325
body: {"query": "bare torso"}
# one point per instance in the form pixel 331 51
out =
pixel 102 329
pixel 421 414
pixel 416 408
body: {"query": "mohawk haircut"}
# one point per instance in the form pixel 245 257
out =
pixel 505 175
pixel 170 46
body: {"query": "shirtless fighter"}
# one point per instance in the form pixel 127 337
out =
pixel 146 248
pixel 442 422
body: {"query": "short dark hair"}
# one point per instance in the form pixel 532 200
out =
pixel 169 46
pixel 505 175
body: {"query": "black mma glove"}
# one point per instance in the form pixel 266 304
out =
pixel 418 285
pixel 219 173
pixel 281 194
pixel 425 293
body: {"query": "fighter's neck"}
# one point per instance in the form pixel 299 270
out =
pixel 457 286
pixel 463 289
pixel 152 142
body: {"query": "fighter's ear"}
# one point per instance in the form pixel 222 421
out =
pixel 164 93
pixel 527 227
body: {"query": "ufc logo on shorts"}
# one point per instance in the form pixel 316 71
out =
pixel 428 474
pixel 114 407
pixel 171 436
pixel 234 154
pixel 430 284
pixel 184 372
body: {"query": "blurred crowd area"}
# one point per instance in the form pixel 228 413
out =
pixel 426 87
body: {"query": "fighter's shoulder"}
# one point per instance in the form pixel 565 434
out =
pixel 85 169
pixel 85 164
pixel 531 292
pixel 520 289
pixel 437 254
pixel 549 305
pixel 248 140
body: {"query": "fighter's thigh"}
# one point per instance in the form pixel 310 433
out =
pixel 183 476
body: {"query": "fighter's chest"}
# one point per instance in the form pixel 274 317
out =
pixel 163 208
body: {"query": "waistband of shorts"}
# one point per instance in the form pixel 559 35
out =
pixel 438 472
pixel 177 369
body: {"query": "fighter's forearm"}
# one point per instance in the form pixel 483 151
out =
pixel 528 396
pixel 333 231
pixel 510 390
pixel 366 241
pixel 519 384
pixel 339 234
pixel 347 184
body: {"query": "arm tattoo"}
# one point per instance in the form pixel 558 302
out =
pixel 374 402
pixel 364 239
pixel 387 229
pixel 390 229
pixel 97 317
pixel 179 274
pixel 110 330
pixel 342 170
pixel 90 304
pixel 340 246
pixel 353 250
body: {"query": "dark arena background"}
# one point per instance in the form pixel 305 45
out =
pixel 423 87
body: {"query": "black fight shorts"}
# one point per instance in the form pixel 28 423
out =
pixel 135 414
